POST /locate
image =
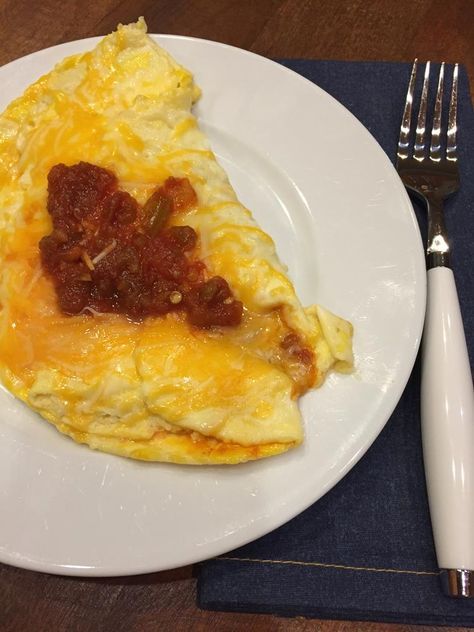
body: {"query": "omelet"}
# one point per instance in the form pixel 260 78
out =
pixel 157 387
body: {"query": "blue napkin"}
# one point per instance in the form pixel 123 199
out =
pixel 365 550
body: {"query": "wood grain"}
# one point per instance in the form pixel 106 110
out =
pixel 324 29
pixel 320 29
pixel 159 601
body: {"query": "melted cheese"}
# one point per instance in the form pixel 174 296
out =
pixel 156 390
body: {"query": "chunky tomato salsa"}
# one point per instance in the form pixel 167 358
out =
pixel 107 253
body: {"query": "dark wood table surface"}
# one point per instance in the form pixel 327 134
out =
pixel 397 30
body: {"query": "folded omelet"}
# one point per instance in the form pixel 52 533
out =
pixel 157 388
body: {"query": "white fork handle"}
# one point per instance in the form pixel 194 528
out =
pixel 447 417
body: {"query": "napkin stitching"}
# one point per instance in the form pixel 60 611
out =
pixel 323 565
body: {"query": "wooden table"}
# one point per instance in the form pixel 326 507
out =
pixel 322 29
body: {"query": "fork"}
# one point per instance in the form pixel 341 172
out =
pixel 447 396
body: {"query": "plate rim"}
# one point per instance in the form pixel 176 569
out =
pixel 220 547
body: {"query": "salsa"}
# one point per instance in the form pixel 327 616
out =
pixel 107 253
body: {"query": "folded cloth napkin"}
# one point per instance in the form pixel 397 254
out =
pixel 365 550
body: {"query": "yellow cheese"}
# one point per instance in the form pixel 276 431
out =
pixel 159 389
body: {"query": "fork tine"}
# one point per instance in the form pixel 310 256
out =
pixel 451 147
pixel 435 149
pixel 419 152
pixel 404 138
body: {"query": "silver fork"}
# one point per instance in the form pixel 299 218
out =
pixel 447 396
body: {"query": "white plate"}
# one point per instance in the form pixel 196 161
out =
pixel 323 188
